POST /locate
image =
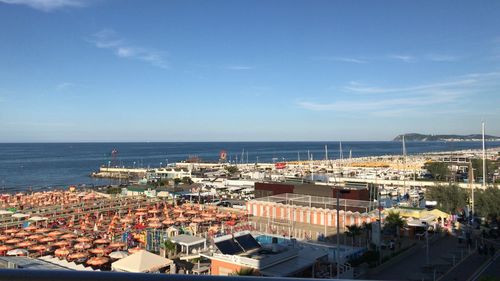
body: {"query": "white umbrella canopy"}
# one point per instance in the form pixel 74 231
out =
pixel 118 254
pixel 17 252
pixel 5 212
pixel 37 218
pixel 20 216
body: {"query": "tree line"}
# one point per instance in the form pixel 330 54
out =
pixel 451 199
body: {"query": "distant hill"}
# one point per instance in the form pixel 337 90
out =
pixel 421 137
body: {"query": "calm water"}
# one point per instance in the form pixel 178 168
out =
pixel 36 165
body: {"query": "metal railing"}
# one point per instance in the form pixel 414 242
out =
pixel 51 275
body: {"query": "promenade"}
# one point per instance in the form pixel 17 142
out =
pixel 443 253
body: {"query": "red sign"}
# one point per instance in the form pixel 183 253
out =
pixel 222 155
pixel 280 165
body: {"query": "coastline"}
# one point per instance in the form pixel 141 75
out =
pixel 412 160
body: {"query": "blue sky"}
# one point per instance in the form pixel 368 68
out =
pixel 109 70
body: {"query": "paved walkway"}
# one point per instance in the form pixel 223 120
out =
pixel 491 270
pixel 442 254
pixel 466 268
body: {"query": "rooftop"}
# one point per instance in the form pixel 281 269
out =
pixel 187 240
pixel 313 201
pixel 270 259
pixel 28 263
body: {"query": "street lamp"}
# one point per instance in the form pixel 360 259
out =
pixel 339 191
pixel 379 228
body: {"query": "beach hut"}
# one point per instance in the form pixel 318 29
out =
pixel 141 261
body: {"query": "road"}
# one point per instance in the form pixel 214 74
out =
pixel 442 253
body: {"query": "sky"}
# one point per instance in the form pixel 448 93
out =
pixel 118 70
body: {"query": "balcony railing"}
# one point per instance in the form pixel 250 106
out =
pixel 67 275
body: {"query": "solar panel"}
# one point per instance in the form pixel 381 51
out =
pixel 229 247
pixel 247 242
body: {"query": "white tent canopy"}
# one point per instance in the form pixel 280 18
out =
pixel 5 212
pixel 142 261
pixel 20 216
pixel 37 218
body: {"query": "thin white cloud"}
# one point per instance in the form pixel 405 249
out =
pixel 239 67
pixel 403 58
pixel 371 105
pixel 393 57
pixel 441 58
pixel 483 75
pixel 342 59
pixel 108 39
pixel 445 95
pixel 48 5
pixel 359 88
pixel 64 86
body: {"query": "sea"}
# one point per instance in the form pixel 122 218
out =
pixel 35 166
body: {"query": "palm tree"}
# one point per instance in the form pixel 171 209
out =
pixel 353 231
pixel 394 222
pixel 169 247
pixel 366 229
pixel 244 271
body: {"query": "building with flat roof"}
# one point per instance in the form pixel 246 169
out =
pixel 291 212
pixel 241 251
pixel 354 190
pixel 29 263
